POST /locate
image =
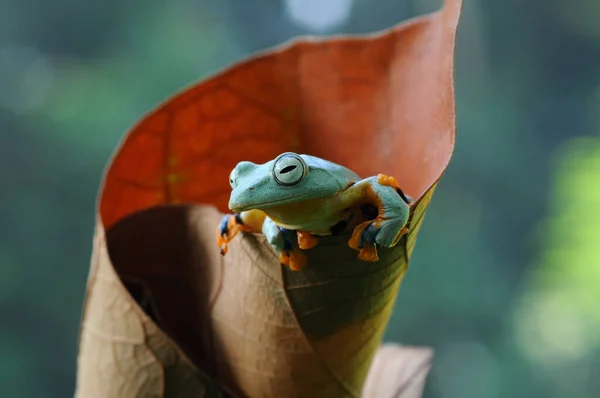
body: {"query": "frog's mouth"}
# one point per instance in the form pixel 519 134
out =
pixel 264 205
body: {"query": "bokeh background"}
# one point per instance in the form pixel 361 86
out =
pixel 505 279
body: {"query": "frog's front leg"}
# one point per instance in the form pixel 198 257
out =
pixel 232 224
pixel 392 215
pixel 282 240
pixel 256 221
pixel 275 235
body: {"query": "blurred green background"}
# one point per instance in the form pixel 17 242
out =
pixel 505 279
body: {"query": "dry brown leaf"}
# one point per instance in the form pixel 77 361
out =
pixel 167 316
pixel 398 372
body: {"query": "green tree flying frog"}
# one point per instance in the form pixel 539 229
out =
pixel 294 199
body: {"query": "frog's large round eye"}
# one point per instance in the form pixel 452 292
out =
pixel 289 169
pixel 233 178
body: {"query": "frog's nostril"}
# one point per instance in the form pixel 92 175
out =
pixel 250 188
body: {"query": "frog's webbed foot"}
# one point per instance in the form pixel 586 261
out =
pixel 247 221
pixel 367 236
pixel 291 255
pixel 228 228
pixel 282 240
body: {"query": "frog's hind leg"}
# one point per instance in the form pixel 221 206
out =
pixel 384 216
pixel 229 227
pixel 365 235
pixel 232 224
pixel 392 182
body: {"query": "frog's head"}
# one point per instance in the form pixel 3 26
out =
pixel 287 179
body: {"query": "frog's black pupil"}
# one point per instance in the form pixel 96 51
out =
pixel 287 169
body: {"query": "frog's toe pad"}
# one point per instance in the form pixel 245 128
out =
pixel 306 240
pixel 284 258
pixel 298 260
pixel 368 253
pixel 294 259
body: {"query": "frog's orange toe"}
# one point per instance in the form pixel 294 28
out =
pixel 284 258
pixel 223 236
pixel 298 260
pixel 306 240
pixel 387 180
pixel 364 243
pixel 228 228
pixel 354 241
pixel 221 242
pixel 368 253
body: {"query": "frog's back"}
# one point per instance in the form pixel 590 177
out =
pixel 336 170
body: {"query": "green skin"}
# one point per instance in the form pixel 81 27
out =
pixel 309 194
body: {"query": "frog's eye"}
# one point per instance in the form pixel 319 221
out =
pixel 289 169
pixel 232 178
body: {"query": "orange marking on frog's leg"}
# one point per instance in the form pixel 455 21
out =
pixel 354 241
pixel 368 253
pixel 298 260
pixel 234 227
pixel 232 224
pixel 383 179
pixel 368 249
pixel 374 199
pixel 226 230
pixel 221 241
pixel 306 240
pixel 387 180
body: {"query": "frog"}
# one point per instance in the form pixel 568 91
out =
pixel 296 199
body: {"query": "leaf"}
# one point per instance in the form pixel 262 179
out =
pixel 398 372
pixel 167 316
